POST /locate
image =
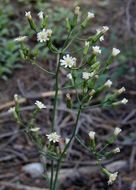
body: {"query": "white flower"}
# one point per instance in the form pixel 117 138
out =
pixel 112 178
pixel 124 101
pixel 90 15
pixel 108 83
pixel 101 38
pixel 116 150
pixel 86 75
pixel 92 135
pixel 16 97
pixel 96 50
pixel 40 15
pixel 35 129
pixel 67 140
pixel 68 61
pixel 77 11
pixel 20 38
pixel 40 105
pixel 28 15
pixel 11 110
pixel 53 137
pixel 105 29
pixel 44 35
pixel 69 76
pixel 117 131
pixel 98 32
pixel 121 90
pixel 115 52
pixel 87 44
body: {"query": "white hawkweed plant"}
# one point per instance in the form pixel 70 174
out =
pixel 83 76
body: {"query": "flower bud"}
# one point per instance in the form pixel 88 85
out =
pixel 117 131
pixel 68 100
pixel 108 83
pixel 28 15
pixel 96 50
pixel 121 90
pixel 116 150
pixel 92 135
pixel 77 11
pixel 115 52
pixel 124 101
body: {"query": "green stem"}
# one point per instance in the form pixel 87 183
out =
pixel 56 92
pixel 66 147
pixel 54 112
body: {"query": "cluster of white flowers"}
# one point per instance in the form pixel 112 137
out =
pixel 108 83
pixel 117 131
pixel 44 35
pixel 90 15
pixel 68 61
pixel 92 135
pixel 53 137
pixel 87 75
pixel 96 50
pixel 20 38
pixel 112 178
pixel 40 105
pixel 115 52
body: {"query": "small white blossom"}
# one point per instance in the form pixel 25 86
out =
pixel 112 178
pixel 96 50
pixel 87 44
pixel 35 129
pixel 40 15
pixel 20 38
pixel 90 15
pixel 44 35
pixel 16 97
pixel 117 131
pixel 105 29
pixel 69 76
pixel 67 140
pixel 77 11
pixel 116 150
pixel 108 83
pixel 121 90
pixel 92 135
pixel 98 32
pixel 115 52
pixel 40 105
pixel 86 75
pixel 68 61
pixel 124 101
pixel 11 110
pixel 53 137
pixel 28 15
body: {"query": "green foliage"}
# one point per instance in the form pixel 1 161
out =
pixel 9 56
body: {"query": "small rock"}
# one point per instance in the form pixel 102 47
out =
pixel 34 169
